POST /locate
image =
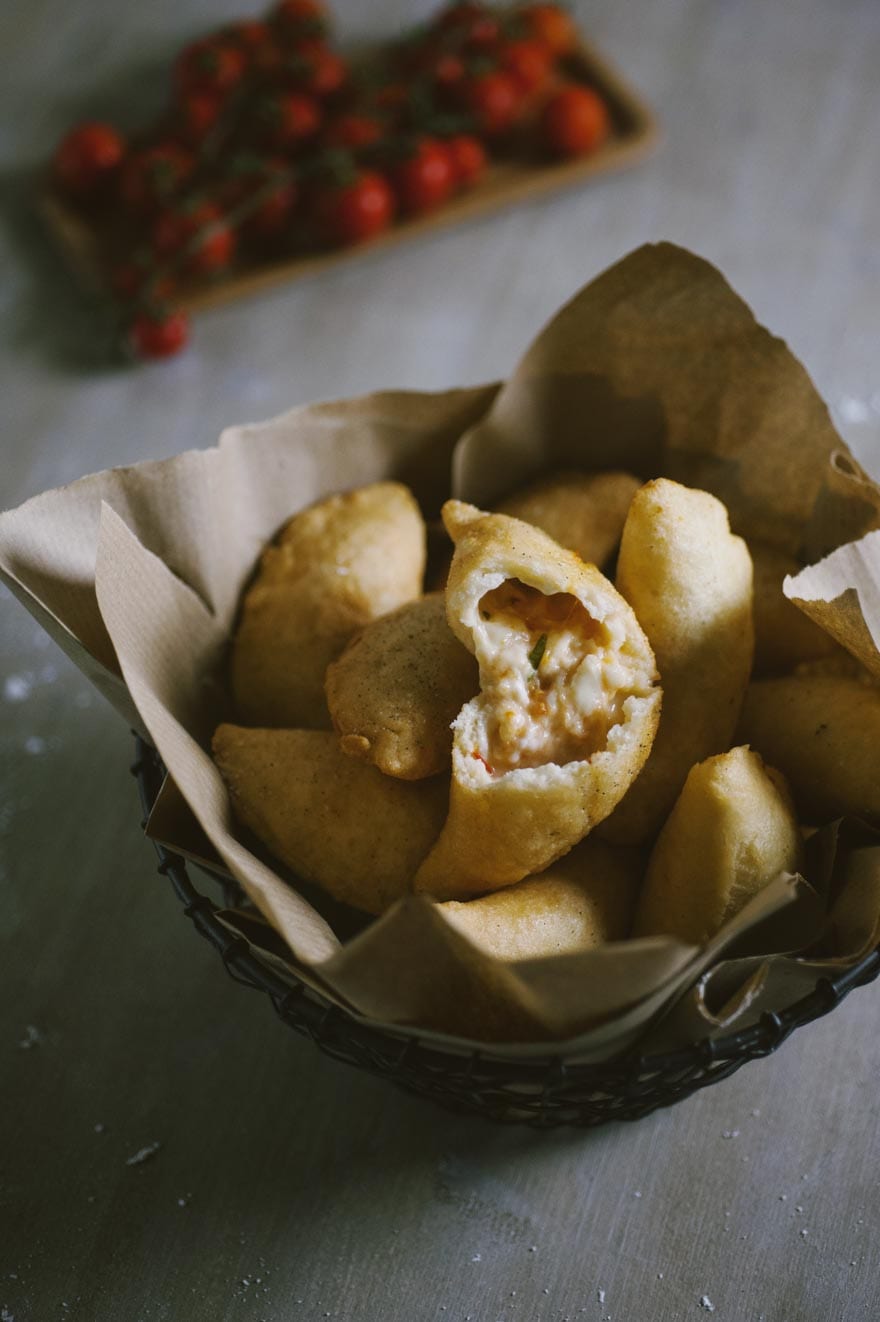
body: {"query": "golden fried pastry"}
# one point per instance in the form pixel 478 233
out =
pixel 398 686
pixel 689 581
pixel 566 713
pixel 584 512
pixel 336 822
pixel 823 732
pixel 334 567
pixel 784 636
pixel 580 902
pixel 732 830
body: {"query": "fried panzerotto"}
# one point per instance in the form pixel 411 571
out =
pixel 336 822
pixel 732 830
pixel 334 567
pixel 398 686
pixel 823 732
pixel 580 902
pixel 689 581
pixel 567 708
pixel 584 512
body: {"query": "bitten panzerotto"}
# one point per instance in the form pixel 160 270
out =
pixel 567 710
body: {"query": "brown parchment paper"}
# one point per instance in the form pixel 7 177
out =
pixel 657 366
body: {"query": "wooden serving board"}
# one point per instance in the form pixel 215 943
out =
pixel 634 135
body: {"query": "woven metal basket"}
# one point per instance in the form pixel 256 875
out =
pixel 543 1092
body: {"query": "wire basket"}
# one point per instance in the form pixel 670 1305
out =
pixel 543 1092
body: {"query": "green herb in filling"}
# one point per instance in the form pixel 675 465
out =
pixel 537 652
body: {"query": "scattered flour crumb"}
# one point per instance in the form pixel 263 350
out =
pixel 659 1276
pixel 803 1232
pixel 637 1193
pixel 783 1197
pixel 478 1257
pixel 600 1295
pixel 854 410
pixel 32 1038
pixel 730 1133
pixel 143 1154
pixel 17 688
pixel 5 1315
pixel 706 1303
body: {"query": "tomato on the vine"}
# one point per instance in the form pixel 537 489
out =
pixel 158 336
pixel 552 26
pixel 469 159
pixel 287 120
pixel 86 158
pixel 314 67
pixel 197 233
pixel 137 280
pixel 153 176
pixel 263 194
pixel 528 62
pixel 574 122
pixel 212 65
pixel 358 207
pixel 425 179
pixel 493 99
pixel 196 114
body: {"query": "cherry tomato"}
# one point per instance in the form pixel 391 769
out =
pixel 315 68
pixel 352 131
pixel 287 120
pixel 528 63
pixel 355 210
pixel 447 70
pixel 196 114
pixel 158 336
pixel 425 179
pixel 444 68
pixel 300 18
pixel 552 26
pixel 574 122
pixel 152 176
pixel 469 159
pixel 472 24
pixel 198 231
pixel 87 158
pixel 493 99
pixel 212 65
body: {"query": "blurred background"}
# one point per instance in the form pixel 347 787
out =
pixel 118 1029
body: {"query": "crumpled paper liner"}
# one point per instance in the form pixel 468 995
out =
pixel 657 366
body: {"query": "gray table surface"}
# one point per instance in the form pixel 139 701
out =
pixel 286 1186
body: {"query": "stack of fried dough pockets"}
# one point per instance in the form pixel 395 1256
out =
pixel 555 759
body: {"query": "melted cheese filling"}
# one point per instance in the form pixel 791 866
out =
pixel 553 678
